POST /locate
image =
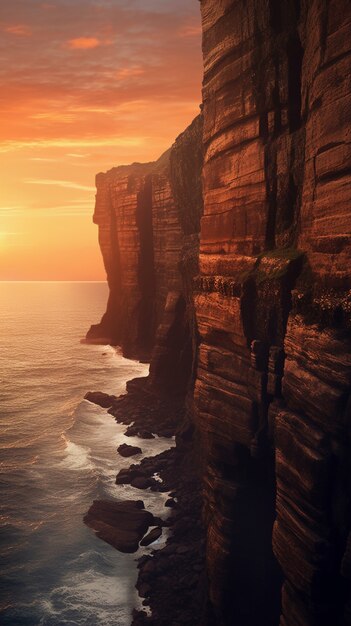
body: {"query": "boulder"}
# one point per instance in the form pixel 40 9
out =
pixel 122 524
pixel 152 536
pixel 126 451
pixel 141 482
pixel 100 398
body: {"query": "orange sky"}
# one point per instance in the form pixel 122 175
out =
pixel 85 85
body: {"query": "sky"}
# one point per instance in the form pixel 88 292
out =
pixel 86 85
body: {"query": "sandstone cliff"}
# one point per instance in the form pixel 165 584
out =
pixel 149 220
pixel 273 307
pixel 263 316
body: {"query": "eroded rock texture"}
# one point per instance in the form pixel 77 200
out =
pixel 149 221
pixel 273 309
pixel 262 314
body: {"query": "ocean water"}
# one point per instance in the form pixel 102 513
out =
pixel 58 454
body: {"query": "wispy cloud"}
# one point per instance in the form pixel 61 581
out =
pixel 113 81
pixel 73 209
pixel 10 146
pixel 17 209
pixel 20 30
pixel 61 159
pixel 44 159
pixel 130 72
pixel 54 116
pixel 73 155
pixel 67 184
pixel 83 43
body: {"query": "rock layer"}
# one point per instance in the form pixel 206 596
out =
pixel 273 306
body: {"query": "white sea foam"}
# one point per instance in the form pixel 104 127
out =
pixel 91 598
pixel 76 457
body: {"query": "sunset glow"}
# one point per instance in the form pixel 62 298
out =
pixel 86 85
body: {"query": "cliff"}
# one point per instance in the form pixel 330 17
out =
pixel 149 220
pixel 273 308
pixel 260 321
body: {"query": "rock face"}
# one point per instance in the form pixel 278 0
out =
pixel 122 524
pixel 259 323
pixel 149 221
pixel 273 307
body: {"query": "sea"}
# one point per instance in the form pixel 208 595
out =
pixel 57 455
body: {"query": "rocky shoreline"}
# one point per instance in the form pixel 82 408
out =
pixel 177 570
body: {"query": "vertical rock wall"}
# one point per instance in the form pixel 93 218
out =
pixel 265 292
pixel 123 212
pixel 273 309
pixel 174 356
pixel 149 221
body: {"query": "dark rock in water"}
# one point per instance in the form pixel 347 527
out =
pixel 152 536
pixel 123 477
pixel 122 524
pixel 145 434
pixel 126 475
pixel 127 451
pixel 134 431
pixel 141 482
pixel 100 398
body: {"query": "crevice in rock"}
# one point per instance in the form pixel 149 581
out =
pixel 276 103
pixel 146 269
pixel 297 4
pixel 254 587
pixel 270 168
pixel 295 55
pixel 275 15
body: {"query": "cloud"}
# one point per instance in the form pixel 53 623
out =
pixel 54 117
pixel 146 82
pixel 77 156
pixel 49 210
pixel 20 30
pixel 116 80
pixel 66 184
pixel 83 43
pixel 6 211
pixel 130 72
pixel 45 144
pixel 44 159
